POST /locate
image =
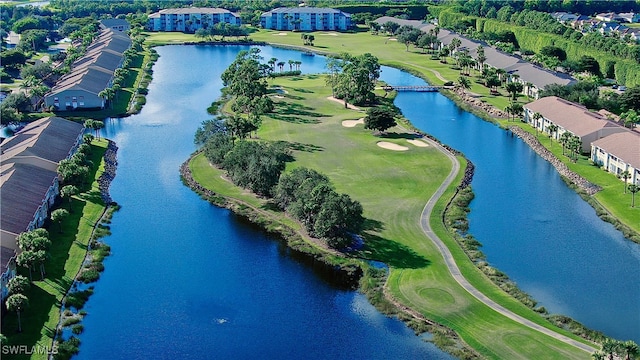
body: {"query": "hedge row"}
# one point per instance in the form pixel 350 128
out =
pixel 627 71
pixel 413 11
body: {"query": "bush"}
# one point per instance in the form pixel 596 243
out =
pixel 89 275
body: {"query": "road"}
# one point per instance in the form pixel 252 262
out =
pixel 455 271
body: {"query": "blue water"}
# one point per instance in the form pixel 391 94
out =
pixel 189 280
pixel 533 227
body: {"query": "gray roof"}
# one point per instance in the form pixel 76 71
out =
pixel 50 138
pixel 570 116
pixel 623 145
pixel 495 58
pixel 110 23
pixel 23 187
pixel 304 10
pixel 93 72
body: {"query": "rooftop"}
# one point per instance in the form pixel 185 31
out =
pixel 570 116
pixel 304 10
pixel 623 145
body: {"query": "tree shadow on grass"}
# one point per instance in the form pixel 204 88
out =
pixel 297 146
pixel 392 253
pixel 32 319
pixel 293 113
pixel 394 135
pixel 304 91
pixel 373 225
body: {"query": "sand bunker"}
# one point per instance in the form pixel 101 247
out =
pixel 330 34
pixel 278 96
pixel 392 146
pixel 352 107
pixel 280 34
pixel 352 123
pixel 418 143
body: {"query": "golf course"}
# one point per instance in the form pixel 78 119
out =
pixel 393 175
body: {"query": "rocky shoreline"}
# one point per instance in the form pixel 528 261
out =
pixel 110 164
pixel 563 170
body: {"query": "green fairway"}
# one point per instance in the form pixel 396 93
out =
pixel 393 187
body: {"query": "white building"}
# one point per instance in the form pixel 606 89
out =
pixel 618 153
pixel 305 19
pixel 570 117
pixel 190 19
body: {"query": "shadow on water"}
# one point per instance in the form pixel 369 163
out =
pixel 392 253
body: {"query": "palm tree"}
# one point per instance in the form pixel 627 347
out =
pixel 630 349
pixel 536 117
pixel 18 285
pixel 514 88
pixel 480 56
pixel 633 189
pixel 17 303
pixel 273 62
pixel 624 176
pixel 552 129
pixel 509 110
pixel 464 83
pixel 281 65
pixel 598 355
pixel 27 259
pixel 107 94
pixel 610 347
pixel 58 215
pixel 564 140
pixel 67 192
pixel 291 62
pixel 575 144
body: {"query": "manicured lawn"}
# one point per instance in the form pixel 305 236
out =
pixel 67 254
pixel 393 187
pixel 612 196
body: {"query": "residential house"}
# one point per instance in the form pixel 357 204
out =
pixel 190 19
pixel 618 153
pixel 90 74
pixel 115 24
pixel 609 17
pixel 564 17
pixel 629 17
pixel 29 180
pixel 534 78
pixel 570 117
pixel 306 19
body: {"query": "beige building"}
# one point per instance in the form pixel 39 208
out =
pixel 28 173
pixel 570 117
pixel 618 153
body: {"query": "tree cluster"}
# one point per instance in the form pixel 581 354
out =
pixel 353 78
pixel 245 80
pixel 75 170
pixel 309 197
pixel 587 93
pixel 223 30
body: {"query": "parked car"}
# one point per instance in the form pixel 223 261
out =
pixel 622 88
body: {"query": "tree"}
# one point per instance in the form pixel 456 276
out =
pixel 390 27
pixel 552 129
pixel 107 94
pixel 537 117
pixel 624 176
pixel 17 303
pixel 575 145
pixel 27 259
pixel 564 140
pixel 18 285
pixel 590 65
pixel 492 82
pixel 633 189
pixel 380 119
pixel 67 192
pixel 40 258
pixel 630 99
pixel 514 88
pixel 464 83
pixel 58 216
pixel 610 347
pixel 631 118
pixel 408 36
pixel 630 349
pixel 480 56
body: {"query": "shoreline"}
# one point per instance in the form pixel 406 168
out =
pixel 352 276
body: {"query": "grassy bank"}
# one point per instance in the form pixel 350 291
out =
pixel 393 187
pixel 68 249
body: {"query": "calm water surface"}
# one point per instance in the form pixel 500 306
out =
pixel 189 280
pixel 533 227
